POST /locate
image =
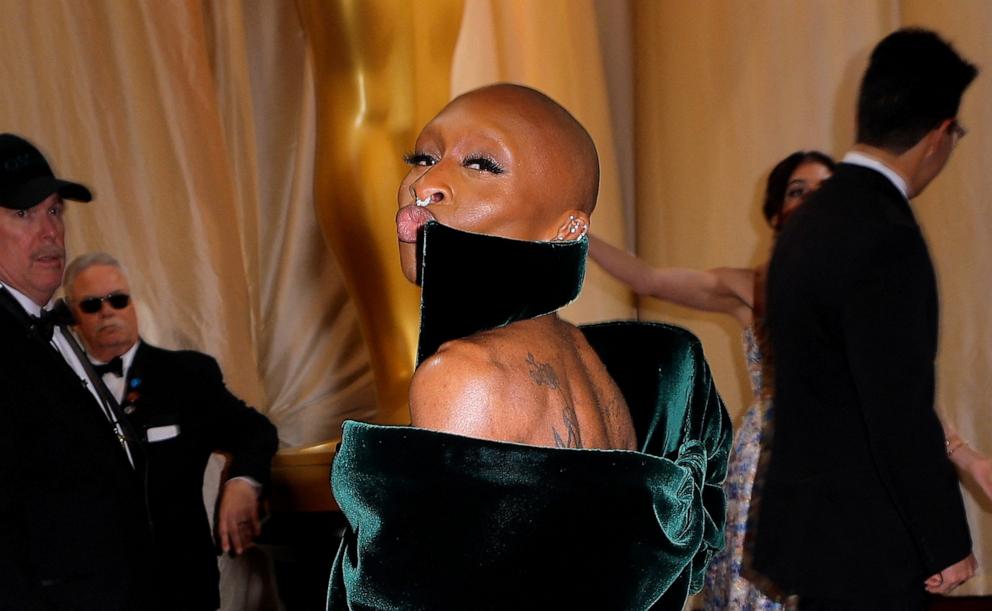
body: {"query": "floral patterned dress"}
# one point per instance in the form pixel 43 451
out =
pixel 726 588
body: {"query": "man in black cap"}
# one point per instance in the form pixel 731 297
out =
pixel 74 532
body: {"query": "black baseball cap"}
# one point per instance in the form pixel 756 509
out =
pixel 26 178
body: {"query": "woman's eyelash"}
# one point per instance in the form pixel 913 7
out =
pixel 421 159
pixel 475 162
pixel 484 164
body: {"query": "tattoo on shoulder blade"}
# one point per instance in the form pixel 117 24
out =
pixel 571 421
pixel 543 374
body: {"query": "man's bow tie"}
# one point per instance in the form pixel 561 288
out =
pixel 43 325
pixel 115 366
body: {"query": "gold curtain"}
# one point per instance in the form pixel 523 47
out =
pixel 205 127
pixel 194 123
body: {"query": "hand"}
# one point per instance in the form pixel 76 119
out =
pixel 969 460
pixel 237 518
pixel 978 466
pixel 953 576
pixel 981 470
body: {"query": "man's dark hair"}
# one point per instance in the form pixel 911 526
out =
pixel 778 182
pixel 914 81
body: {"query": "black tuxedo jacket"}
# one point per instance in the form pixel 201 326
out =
pixel 860 496
pixel 73 528
pixel 181 398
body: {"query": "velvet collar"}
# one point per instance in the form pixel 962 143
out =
pixel 473 282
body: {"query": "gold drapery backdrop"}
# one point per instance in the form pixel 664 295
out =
pixel 204 129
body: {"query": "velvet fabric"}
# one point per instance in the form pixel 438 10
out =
pixel 472 282
pixel 441 521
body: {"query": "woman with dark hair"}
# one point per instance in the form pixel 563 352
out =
pixel 790 181
pixel 737 292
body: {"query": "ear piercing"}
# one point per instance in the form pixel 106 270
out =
pixel 575 224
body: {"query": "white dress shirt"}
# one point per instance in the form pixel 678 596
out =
pixel 115 384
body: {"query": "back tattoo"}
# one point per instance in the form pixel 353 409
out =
pixel 544 374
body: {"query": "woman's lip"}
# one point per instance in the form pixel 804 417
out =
pixel 409 220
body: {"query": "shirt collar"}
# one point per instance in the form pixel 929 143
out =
pixel 26 302
pixel 866 161
pixel 126 359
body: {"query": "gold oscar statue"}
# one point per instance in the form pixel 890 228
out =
pixel 382 70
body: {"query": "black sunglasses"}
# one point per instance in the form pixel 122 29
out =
pixel 92 305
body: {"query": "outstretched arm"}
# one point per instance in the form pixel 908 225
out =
pixel 724 289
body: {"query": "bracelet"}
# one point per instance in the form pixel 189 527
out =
pixel 953 445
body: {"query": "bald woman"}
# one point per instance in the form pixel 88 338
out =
pixel 508 161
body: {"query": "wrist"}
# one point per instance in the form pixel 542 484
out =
pixel 250 481
pixel 953 444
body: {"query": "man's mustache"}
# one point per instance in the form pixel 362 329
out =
pixel 110 325
pixel 49 250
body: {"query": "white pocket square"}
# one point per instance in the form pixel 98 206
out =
pixel 161 433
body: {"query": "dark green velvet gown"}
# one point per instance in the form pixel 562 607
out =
pixel 440 521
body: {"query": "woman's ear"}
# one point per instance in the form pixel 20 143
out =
pixel 572 225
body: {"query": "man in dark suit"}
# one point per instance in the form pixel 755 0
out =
pixel 178 403
pixel 861 507
pixel 73 528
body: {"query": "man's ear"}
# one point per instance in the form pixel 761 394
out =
pixel 935 137
pixel 572 225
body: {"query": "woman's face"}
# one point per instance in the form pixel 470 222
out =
pixel 803 181
pixel 486 165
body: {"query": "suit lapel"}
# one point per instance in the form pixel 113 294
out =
pixel 44 369
pixel 134 380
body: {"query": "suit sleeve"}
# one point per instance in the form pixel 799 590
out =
pixel 890 335
pixel 236 428
pixel 17 592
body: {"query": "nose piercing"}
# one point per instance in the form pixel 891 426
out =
pixel 430 199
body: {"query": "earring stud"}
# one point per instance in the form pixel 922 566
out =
pixel 576 224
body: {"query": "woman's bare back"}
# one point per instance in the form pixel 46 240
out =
pixel 536 382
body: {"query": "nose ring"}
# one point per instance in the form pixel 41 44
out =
pixel 430 199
